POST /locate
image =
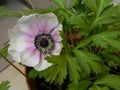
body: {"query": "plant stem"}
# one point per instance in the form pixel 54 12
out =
pixel 12 65
pixel 71 37
pixel 60 87
pixel 30 2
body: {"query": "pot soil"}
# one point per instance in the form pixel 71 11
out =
pixel 41 84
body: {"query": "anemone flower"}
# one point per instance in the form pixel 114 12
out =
pixel 35 37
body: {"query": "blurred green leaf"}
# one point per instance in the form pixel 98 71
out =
pixel 6 12
pixel 60 3
pixel 4 50
pixel 95 87
pixel 107 38
pixel 88 62
pixel 4 85
pixel 111 81
pixel 82 85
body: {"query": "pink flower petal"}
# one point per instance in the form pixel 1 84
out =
pixel 47 22
pixel 30 57
pixel 56 33
pixel 21 42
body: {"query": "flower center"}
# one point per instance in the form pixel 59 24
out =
pixel 44 42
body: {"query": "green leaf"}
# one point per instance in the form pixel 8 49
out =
pixel 98 6
pixel 45 10
pixel 60 3
pixel 92 4
pixel 84 42
pixel 63 65
pixel 4 50
pixel 82 85
pixel 33 74
pixel 107 38
pixel 95 87
pixel 111 81
pixel 6 12
pixel 4 85
pixel 88 61
pixel 112 57
pixel 73 3
pixel 105 17
pixel 58 71
pixel 73 69
pixel 78 21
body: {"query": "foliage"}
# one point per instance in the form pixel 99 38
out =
pixel 84 62
pixel 4 85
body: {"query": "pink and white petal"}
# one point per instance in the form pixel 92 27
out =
pixel 15 54
pixel 28 19
pixel 47 22
pixel 13 32
pixel 57 49
pixel 21 42
pixel 56 33
pixel 30 29
pixel 30 57
pixel 42 65
pixel 28 24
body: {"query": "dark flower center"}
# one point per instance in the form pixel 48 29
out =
pixel 44 42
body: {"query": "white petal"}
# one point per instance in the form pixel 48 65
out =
pixel 13 32
pixel 57 49
pixel 28 19
pixel 42 65
pixel 30 57
pixel 15 55
pixel 47 22
pixel 28 24
pixel 21 42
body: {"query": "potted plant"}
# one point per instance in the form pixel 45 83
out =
pixel 69 46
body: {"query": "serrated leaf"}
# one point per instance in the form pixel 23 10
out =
pixel 73 3
pixel 78 21
pixel 73 69
pixel 101 10
pixel 4 50
pixel 60 3
pixel 58 71
pixel 82 85
pixel 84 42
pixel 107 38
pixel 95 87
pixel 63 65
pixel 4 85
pixel 92 4
pixel 88 61
pixel 112 57
pixel 105 17
pixel 97 6
pixel 111 81
pixel 33 74
pixel 45 10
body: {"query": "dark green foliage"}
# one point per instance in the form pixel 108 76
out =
pixel 4 85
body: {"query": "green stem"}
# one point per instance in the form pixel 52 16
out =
pixel 60 87
pixel 30 2
pixel 71 38
pixel 13 65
